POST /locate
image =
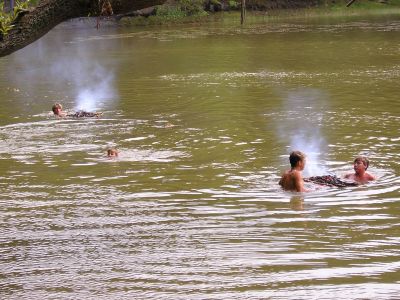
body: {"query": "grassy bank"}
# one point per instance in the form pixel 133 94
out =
pixel 182 13
pixel 338 9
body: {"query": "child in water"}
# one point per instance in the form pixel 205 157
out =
pixel 292 180
pixel 112 153
pixel 360 175
pixel 57 110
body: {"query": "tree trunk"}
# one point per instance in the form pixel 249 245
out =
pixel 49 13
pixel 7 6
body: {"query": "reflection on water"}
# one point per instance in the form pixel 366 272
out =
pixel 191 207
pixel 297 202
pixel 374 74
pixel 194 32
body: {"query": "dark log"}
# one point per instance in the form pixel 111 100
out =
pixel 330 180
pixel 48 13
pixel 85 114
pixel 145 12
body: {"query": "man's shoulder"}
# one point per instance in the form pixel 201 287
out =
pixel 296 174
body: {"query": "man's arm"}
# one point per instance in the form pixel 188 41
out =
pixel 298 182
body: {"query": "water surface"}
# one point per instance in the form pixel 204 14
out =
pixel 204 118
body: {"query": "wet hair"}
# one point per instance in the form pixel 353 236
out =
pixel 364 160
pixel 295 157
pixel 56 105
pixel 112 152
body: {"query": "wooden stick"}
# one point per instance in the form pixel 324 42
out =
pixel 350 3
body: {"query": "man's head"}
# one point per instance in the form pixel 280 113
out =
pixel 296 157
pixel 57 108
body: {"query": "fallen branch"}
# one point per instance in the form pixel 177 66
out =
pixel 329 180
pixel 145 12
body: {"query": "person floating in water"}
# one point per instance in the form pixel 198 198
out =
pixel 292 180
pixel 112 152
pixel 57 110
pixel 360 174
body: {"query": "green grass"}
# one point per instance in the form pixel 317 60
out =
pixel 365 5
pixel 339 9
pixel 359 8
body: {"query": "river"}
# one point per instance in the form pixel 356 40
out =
pixel 204 118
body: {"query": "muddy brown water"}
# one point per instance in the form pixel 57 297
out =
pixel 204 118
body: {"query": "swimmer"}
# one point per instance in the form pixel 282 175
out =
pixel 292 180
pixel 112 153
pixel 360 174
pixel 57 110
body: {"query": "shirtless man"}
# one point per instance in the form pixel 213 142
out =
pixel 292 180
pixel 360 175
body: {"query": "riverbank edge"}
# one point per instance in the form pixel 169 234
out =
pixel 333 10
pixel 273 10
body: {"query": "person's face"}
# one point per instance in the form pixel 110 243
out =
pixel 359 166
pixel 57 111
pixel 302 164
pixel 112 153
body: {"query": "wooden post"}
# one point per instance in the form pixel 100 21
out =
pixel 243 12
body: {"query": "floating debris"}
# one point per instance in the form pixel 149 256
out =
pixel 85 114
pixel 329 180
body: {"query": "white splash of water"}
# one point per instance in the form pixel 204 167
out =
pixel 310 143
pixel 79 76
pixel 300 128
pixel 91 94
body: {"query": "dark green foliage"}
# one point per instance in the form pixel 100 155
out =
pixel 180 9
pixel 232 4
pixel 191 7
